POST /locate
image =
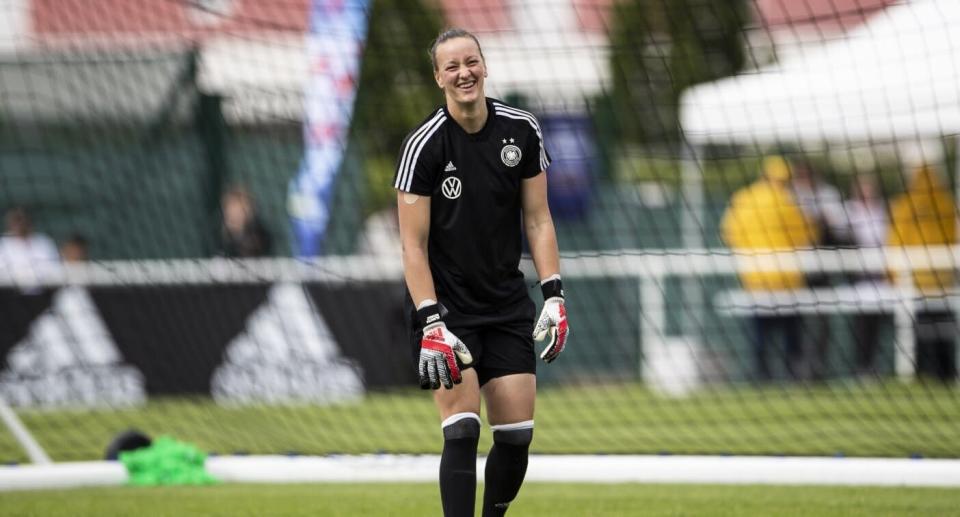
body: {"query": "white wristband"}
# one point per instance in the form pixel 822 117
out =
pixel 426 303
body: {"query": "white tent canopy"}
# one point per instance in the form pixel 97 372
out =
pixel 897 77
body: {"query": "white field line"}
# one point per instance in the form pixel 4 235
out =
pixel 549 468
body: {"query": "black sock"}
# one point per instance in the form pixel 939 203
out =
pixel 458 466
pixel 505 470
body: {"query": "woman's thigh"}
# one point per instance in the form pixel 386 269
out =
pixel 462 398
pixel 510 398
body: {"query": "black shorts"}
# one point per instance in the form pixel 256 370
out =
pixel 498 349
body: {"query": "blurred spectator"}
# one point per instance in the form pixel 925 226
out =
pixel 27 256
pixel 74 249
pixel 869 225
pixel 925 215
pixel 822 204
pixel 763 217
pixel 243 234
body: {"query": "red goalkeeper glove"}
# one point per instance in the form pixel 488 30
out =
pixel 553 320
pixel 439 351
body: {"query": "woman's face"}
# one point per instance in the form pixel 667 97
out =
pixel 236 213
pixel 460 70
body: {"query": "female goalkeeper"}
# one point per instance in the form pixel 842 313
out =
pixel 466 178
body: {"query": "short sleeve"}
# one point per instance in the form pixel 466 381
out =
pixel 536 158
pixel 418 163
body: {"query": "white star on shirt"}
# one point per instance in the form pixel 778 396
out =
pixel 511 140
pixel 504 140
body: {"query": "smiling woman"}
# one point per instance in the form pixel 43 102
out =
pixel 467 175
pixel 460 71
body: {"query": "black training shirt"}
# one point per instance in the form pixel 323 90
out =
pixel 473 181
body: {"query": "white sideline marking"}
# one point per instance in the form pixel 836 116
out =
pixel 548 468
pixel 62 475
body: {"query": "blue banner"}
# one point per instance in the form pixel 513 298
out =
pixel 570 140
pixel 338 32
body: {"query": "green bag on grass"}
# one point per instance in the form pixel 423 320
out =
pixel 167 462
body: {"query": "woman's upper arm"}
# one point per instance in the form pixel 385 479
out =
pixel 414 217
pixel 534 197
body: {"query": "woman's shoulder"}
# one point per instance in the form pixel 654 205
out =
pixel 429 126
pixel 514 116
pixel 436 117
pixel 501 108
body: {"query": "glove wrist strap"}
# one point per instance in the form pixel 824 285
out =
pixel 552 289
pixel 431 314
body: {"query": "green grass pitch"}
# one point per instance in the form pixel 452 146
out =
pixel 536 499
pixel 892 420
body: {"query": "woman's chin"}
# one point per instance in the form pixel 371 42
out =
pixel 469 97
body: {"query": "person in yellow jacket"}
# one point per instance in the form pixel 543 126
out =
pixel 925 215
pixel 762 218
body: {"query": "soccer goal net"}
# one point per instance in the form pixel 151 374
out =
pixel 755 204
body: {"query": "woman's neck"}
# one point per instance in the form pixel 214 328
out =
pixel 471 117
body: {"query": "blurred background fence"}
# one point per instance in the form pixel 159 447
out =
pixel 216 175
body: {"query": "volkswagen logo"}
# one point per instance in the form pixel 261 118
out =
pixel 451 187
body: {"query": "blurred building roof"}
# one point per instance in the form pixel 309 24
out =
pixel 817 16
pixel 252 52
pixel 67 86
pixel 784 30
pixel 54 20
pixel 500 15
pixel 551 52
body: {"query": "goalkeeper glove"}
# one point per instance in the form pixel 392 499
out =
pixel 439 351
pixel 553 319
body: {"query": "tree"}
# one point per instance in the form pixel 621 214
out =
pixel 661 47
pixel 396 89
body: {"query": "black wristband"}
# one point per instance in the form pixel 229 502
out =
pixel 552 289
pixel 431 314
